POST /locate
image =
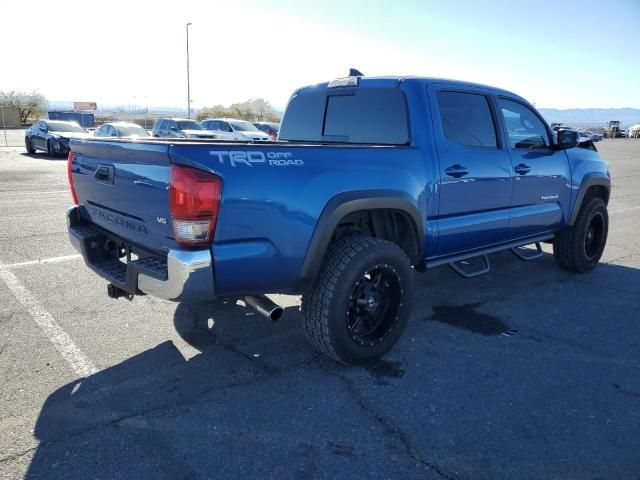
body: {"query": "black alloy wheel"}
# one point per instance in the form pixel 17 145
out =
pixel 374 306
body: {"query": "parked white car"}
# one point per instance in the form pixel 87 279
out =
pixel 232 129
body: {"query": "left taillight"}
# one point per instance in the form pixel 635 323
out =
pixel 70 176
pixel 194 203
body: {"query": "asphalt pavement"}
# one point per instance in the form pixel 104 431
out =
pixel 527 372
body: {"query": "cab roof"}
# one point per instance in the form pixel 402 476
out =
pixel 396 81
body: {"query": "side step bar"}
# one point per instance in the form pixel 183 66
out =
pixel 460 263
pixel 463 272
pixel 525 257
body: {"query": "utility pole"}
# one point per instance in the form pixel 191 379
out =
pixel 188 82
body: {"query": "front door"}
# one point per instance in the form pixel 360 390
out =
pixel 541 174
pixel 475 171
pixel 38 138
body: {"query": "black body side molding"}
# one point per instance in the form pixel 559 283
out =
pixel 339 207
pixel 590 180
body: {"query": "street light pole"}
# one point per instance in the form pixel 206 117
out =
pixel 188 83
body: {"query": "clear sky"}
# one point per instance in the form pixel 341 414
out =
pixel 560 54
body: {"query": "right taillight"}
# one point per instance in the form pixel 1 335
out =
pixel 194 202
pixel 70 177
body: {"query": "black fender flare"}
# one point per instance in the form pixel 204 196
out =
pixel 589 180
pixel 340 206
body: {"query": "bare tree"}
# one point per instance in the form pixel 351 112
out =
pixel 28 104
pixel 261 108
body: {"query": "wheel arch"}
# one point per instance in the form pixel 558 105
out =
pixel 341 206
pixel 593 185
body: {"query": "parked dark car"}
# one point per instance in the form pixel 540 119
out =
pixel 52 136
pixel 120 129
pixel 270 128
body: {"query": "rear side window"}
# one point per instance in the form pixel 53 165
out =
pixel 466 119
pixel 303 118
pixel 367 115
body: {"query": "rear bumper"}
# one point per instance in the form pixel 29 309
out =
pixel 180 276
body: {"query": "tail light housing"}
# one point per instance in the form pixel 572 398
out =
pixel 70 177
pixel 194 203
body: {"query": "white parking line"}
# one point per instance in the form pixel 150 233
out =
pixel 64 258
pixel 78 361
pixel 43 192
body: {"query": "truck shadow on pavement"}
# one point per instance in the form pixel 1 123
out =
pixel 44 156
pixel 511 375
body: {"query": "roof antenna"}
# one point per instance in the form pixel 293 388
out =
pixel 355 73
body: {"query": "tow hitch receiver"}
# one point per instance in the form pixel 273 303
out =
pixel 116 292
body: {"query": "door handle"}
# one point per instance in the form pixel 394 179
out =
pixel 104 174
pixel 522 169
pixel 456 171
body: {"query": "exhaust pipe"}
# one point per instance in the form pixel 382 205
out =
pixel 264 306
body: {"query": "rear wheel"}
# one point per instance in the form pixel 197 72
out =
pixel 579 247
pixel 29 147
pixel 361 300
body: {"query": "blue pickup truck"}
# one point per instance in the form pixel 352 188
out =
pixel 371 179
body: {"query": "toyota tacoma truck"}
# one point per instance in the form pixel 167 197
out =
pixel 371 180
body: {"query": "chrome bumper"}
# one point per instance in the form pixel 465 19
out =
pixel 184 276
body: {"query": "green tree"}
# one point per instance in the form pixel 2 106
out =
pixel 254 110
pixel 216 111
pixel 30 105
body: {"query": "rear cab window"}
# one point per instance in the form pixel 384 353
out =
pixel 348 115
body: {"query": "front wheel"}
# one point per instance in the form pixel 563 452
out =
pixel 578 248
pixel 28 146
pixel 51 149
pixel 361 301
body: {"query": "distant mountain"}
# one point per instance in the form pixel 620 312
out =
pixel 591 116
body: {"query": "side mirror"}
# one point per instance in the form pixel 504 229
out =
pixel 567 139
pixel 173 129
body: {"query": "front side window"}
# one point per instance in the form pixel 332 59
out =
pixel 466 119
pixel 524 128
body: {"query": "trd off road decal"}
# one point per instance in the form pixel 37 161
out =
pixel 251 158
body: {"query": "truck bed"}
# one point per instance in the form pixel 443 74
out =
pixel 272 196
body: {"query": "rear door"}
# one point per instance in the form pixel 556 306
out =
pixel 542 177
pixel 475 170
pixel 123 188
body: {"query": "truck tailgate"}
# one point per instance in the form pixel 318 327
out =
pixel 123 188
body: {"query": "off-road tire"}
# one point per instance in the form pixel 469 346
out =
pixel 325 306
pixel 570 245
pixel 28 146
